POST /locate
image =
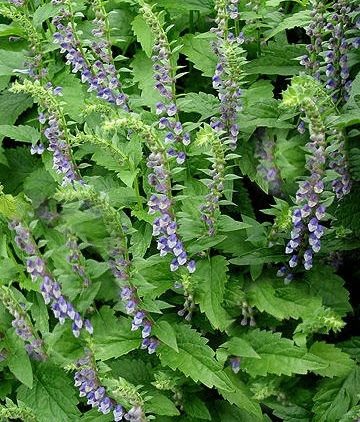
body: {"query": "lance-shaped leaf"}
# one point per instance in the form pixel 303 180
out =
pixel 278 355
pixel 211 278
pixel 338 363
pixel 195 359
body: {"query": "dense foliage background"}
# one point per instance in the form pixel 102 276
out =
pixel 179 210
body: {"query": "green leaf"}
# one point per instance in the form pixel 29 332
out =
pixel 43 12
pixel 196 408
pixel 166 333
pixel 160 404
pixel 241 395
pixel 335 397
pixel 239 347
pixel 195 359
pixel 211 277
pixel 39 186
pixel 338 363
pixel 11 60
pixel 199 52
pixel 276 59
pixel 204 6
pixel 12 105
pixel 228 224
pixel 143 34
pixel 53 397
pixel 278 355
pixel 20 133
pixel 207 105
pixel 18 360
pixel 113 336
pixel 354 163
pixel 268 293
pixel 73 99
pixel 329 286
pixel 351 347
pixel 299 19
pixel 7 206
pixel 260 256
pixel 144 75
pixel 348 212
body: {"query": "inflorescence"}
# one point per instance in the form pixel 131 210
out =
pixel 49 287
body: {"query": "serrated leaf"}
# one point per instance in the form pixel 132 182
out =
pixel 166 333
pixel 43 12
pixel 12 105
pixel 199 52
pixel 335 397
pixel 53 398
pixel 161 404
pixel 143 34
pixel 20 133
pixel 113 336
pixel 239 347
pixel 299 19
pixel 196 408
pixel 278 355
pixel 268 293
pixel 329 286
pixel 352 347
pixel 39 186
pixel 195 359
pixel 211 276
pixel 276 59
pixel 206 105
pixel 338 363
pixel 18 360
pixel 241 395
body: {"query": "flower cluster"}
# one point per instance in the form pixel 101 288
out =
pixel 216 184
pixel 248 315
pixel 189 303
pixel 165 226
pixel 315 32
pixel 55 131
pixel 267 168
pixel 226 79
pixel 102 76
pixel 341 185
pixel 49 288
pixel 76 258
pixel 120 268
pixel 33 65
pixel 86 378
pixel 329 42
pixel 165 84
pixel 22 325
pixel 307 229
